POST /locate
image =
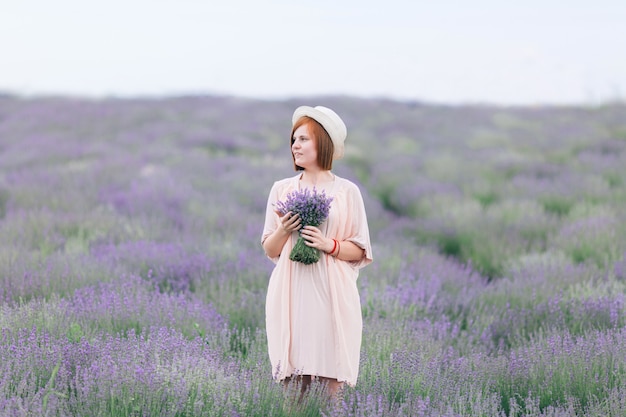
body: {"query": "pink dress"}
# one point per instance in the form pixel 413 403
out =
pixel 313 312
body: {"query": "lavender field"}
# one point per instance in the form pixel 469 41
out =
pixel 132 279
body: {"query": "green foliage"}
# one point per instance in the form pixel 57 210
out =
pixel 565 378
pixel 386 195
pixel 303 253
pixel 455 245
pixel 468 247
pixel 75 333
pixel 591 238
pixel 361 167
pixel 4 200
pixel 614 179
pixel 486 198
pixel 241 339
pixel 559 206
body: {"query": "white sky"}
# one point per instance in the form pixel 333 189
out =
pixel 533 52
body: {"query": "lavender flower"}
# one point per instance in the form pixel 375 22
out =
pixel 313 208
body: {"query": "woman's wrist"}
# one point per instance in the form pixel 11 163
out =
pixel 334 251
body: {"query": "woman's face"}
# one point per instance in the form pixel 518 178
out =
pixel 304 148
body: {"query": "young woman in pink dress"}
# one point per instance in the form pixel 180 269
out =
pixel 313 312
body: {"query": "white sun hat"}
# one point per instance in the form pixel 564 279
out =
pixel 330 121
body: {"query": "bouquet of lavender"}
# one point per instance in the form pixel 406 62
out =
pixel 313 208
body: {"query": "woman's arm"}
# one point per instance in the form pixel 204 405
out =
pixel 348 251
pixel 344 250
pixel 273 244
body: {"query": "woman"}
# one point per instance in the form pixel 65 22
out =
pixel 313 312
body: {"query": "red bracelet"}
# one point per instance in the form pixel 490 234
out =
pixel 334 247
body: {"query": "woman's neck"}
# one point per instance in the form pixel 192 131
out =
pixel 316 177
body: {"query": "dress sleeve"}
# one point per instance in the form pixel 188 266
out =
pixel 271 218
pixel 359 229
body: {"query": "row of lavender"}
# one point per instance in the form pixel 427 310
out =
pixel 132 281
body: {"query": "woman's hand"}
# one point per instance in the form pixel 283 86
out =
pixel 315 238
pixel 274 243
pixel 290 222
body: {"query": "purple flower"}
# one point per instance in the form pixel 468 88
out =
pixel 312 207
